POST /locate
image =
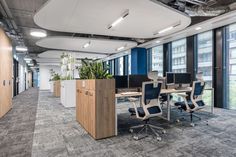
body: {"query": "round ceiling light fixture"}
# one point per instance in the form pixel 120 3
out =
pixel 38 33
pixel 21 48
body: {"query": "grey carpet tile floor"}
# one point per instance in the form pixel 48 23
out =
pixel 58 134
pixel 17 126
pixel 50 130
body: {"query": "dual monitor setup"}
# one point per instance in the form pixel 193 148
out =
pixel 135 81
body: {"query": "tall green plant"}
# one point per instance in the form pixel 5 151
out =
pixel 56 77
pixel 93 69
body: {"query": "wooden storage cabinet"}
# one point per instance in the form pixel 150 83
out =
pixel 5 73
pixel 95 107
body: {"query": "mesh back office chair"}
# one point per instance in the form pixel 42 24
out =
pixel 150 108
pixel 194 102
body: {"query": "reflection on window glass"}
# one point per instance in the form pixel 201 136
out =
pixel 204 64
pixel 121 66
pixel 129 64
pixel 112 67
pixel 157 59
pixel 231 67
pixel 179 56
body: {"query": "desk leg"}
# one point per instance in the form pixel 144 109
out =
pixel 116 118
pixel 168 107
pixel 212 101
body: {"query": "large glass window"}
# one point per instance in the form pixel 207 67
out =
pixel 129 64
pixel 231 66
pixel 179 56
pixel 157 59
pixel 121 66
pixel 204 61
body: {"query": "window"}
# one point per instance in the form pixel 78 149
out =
pixel 231 66
pixel 204 61
pixel 179 56
pixel 129 64
pixel 112 67
pixel 157 59
pixel 121 66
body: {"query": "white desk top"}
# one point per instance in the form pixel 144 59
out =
pixel 163 91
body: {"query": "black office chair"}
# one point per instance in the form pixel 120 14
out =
pixel 150 108
pixel 194 102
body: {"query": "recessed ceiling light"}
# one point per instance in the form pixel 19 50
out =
pixel 87 44
pixel 126 13
pixel 21 48
pixel 38 33
pixel 158 41
pixel 198 28
pixel 31 64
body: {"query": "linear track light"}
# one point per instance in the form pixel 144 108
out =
pixel 126 13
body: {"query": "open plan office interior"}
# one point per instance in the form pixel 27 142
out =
pixel 117 78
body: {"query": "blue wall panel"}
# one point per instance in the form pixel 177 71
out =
pixel 138 61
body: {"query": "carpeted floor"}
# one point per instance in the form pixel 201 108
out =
pixel 56 133
pixel 17 126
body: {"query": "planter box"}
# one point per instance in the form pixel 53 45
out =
pixel 95 107
pixel 68 93
pixel 57 88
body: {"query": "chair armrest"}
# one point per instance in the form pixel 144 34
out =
pixel 184 95
pixel 132 99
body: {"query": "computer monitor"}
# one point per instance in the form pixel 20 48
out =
pixel 182 78
pixel 121 81
pixel 170 80
pixel 136 81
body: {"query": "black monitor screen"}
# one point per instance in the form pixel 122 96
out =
pixel 121 81
pixel 169 78
pixel 182 78
pixel 137 80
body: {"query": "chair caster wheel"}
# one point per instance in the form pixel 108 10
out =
pixel 136 137
pixel 158 138
pixel 192 124
pixel 163 132
pixel 131 130
pixel 177 120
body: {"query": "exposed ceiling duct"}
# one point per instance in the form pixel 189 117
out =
pixel 204 8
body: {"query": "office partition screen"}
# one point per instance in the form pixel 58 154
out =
pixel 179 56
pixel 231 66
pixel 157 59
pixel 204 61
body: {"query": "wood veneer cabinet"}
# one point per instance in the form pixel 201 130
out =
pixel 5 73
pixel 57 88
pixel 95 106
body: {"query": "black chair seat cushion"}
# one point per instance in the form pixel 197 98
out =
pixel 183 106
pixel 151 110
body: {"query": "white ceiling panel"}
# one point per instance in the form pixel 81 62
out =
pixel 77 44
pixel 145 17
pixel 55 54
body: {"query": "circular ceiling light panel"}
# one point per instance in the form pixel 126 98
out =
pixel 21 48
pixel 38 33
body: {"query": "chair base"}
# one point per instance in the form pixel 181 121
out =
pixel 146 127
pixel 191 118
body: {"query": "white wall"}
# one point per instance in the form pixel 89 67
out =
pixel 44 75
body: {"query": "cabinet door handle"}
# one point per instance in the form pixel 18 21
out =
pixel 86 93
pixel 4 82
pixel 9 82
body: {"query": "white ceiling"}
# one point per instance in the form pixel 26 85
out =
pixel 55 54
pixel 219 21
pixel 145 18
pixel 103 46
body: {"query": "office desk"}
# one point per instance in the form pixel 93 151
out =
pixel 163 91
